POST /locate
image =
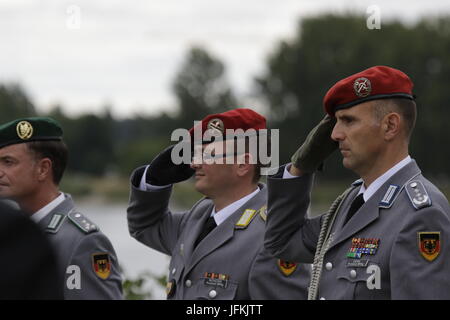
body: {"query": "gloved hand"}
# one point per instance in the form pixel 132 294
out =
pixel 162 171
pixel 317 147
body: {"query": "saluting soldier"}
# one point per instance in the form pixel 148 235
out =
pixel 33 158
pixel 217 247
pixel 388 235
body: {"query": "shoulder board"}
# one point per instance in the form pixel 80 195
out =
pixel 417 194
pixel 263 213
pixel 245 219
pixel 83 223
pixel 357 183
pixel 55 223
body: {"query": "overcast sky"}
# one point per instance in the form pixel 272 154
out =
pixel 126 53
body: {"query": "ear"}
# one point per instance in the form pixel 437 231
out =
pixel 244 164
pixel 44 169
pixel 391 126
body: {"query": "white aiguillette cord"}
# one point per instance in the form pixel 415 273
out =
pixel 323 243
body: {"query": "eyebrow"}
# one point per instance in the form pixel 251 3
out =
pixel 346 117
pixel 7 156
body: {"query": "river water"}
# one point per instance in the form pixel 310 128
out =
pixel 133 256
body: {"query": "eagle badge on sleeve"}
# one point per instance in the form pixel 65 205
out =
pixel 102 265
pixel 286 267
pixel 429 244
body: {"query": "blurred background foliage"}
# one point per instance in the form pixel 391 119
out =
pixel 104 150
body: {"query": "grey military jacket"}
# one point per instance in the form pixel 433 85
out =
pixel 87 261
pixel 396 246
pixel 229 263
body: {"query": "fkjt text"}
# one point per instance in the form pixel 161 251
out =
pixel 245 309
pixel 231 310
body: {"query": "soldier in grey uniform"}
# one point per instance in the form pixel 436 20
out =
pixel 387 236
pixel 216 248
pixel 33 158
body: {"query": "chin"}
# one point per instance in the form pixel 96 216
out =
pixel 4 193
pixel 199 187
pixel 347 163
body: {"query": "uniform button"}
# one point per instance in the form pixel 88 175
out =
pixel 353 274
pixel 329 266
pixel 174 270
pixel 212 294
pixel 188 283
pixel 413 185
pixel 322 298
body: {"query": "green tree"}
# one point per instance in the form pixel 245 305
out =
pixel 201 87
pixel 14 103
pixel 90 142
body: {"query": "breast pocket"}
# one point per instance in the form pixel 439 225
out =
pixel 215 289
pixel 362 282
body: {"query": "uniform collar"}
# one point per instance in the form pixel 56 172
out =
pixel 41 213
pixel 223 214
pixel 375 185
pixel 370 211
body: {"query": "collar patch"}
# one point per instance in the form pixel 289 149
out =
pixel 390 196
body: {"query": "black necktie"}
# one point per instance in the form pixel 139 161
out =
pixel 209 225
pixel 356 204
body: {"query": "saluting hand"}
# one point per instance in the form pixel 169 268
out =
pixel 317 147
pixel 162 171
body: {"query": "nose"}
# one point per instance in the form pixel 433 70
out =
pixel 196 161
pixel 337 134
pixel 195 166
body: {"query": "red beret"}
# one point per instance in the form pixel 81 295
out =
pixel 379 82
pixel 240 118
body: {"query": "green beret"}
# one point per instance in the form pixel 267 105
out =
pixel 29 129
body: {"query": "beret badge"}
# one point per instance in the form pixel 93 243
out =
pixel 24 130
pixel 362 87
pixel 216 124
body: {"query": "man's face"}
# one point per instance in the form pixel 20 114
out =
pixel 212 178
pixel 18 172
pixel 360 137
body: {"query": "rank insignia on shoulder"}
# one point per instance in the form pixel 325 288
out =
pixel 429 244
pixel 83 223
pixel 101 264
pixel 245 219
pixel 418 194
pixel 390 196
pixel 55 223
pixel 286 267
pixel 263 213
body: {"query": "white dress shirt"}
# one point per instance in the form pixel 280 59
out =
pixel 41 213
pixel 221 215
pixel 378 182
